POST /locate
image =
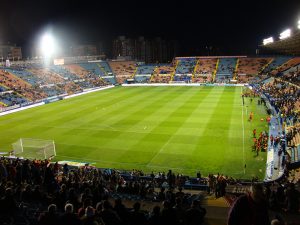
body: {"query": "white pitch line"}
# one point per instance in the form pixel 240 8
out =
pixel 243 135
pixel 161 149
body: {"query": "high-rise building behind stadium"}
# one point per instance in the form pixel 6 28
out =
pixel 146 50
pixel 10 51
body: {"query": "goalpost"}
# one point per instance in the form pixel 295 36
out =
pixel 34 148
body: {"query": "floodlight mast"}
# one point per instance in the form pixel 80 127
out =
pixel 285 34
pixel 47 45
pixel 268 40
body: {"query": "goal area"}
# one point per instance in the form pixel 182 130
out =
pixel 30 148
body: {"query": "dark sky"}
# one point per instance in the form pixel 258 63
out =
pixel 235 26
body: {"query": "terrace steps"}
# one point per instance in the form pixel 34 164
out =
pixel 103 70
pixel 236 69
pixel 285 67
pixel 215 71
pixel 154 72
pixel 173 73
pixel 134 73
pixel 195 69
pixel 265 66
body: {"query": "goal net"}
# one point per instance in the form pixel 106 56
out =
pixel 34 148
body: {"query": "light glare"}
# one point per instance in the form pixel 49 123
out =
pixel 47 45
pixel 268 40
pixel 298 24
pixel 285 34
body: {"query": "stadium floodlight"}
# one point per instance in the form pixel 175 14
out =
pixel 47 45
pixel 285 34
pixel 268 40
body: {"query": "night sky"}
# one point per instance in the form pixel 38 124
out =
pixel 236 27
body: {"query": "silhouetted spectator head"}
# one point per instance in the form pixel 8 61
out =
pixel 106 205
pixel 52 208
pixel 69 208
pixel 137 206
pixel 166 204
pixel 195 203
pixel 156 210
pixel 99 207
pixel 8 192
pixel 89 211
pixel 276 222
pixel 63 187
pixel 257 192
pixel 118 201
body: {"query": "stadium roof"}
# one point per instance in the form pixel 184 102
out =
pixel 288 46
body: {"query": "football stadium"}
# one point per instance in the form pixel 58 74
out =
pixel 146 127
pixel 208 139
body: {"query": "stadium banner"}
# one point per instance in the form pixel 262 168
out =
pixel 10 108
pixel 29 103
pixel 89 91
pixel 53 99
pixel 23 106
pixel 19 108
pixel 183 84
pixel 47 85
pixel 6 92
pixel 58 62
pixel 159 84
pixel 74 163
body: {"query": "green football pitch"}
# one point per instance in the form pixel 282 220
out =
pixel 186 129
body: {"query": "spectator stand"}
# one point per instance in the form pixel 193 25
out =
pixel 205 70
pixel 286 67
pixel 225 71
pixel 275 64
pixel 275 165
pixel 144 72
pixel 184 69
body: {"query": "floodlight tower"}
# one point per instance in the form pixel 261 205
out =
pixel 47 46
pixel 268 40
pixel 285 34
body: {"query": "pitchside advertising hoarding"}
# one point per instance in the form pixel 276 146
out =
pixel 53 99
pixel 58 62
pixel 7 63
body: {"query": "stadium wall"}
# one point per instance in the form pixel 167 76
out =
pixel 183 84
pixel 17 108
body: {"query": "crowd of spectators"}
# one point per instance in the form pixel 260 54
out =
pixel 40 192
pixel 293 136
pixel 20 87
pixel 32 82
pixel 159 78
pixel 284 97
pixel 292 77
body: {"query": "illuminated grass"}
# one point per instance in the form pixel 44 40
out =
pixel 187 129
